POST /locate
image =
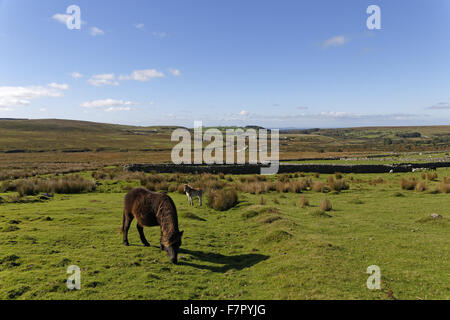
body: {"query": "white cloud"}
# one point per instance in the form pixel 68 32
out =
pixel 61 17
pixel 440 106
pixel 76 75
pixel 143 75
pixel 106 103
pixel 175 72
pixel 94 31
pixel 61 86
pixel 335 41
pixel 118 109
pixel 243 113
pixel 22 96
pixel 159 35
pixel 43 109
pixel 139 25
pixel 99 80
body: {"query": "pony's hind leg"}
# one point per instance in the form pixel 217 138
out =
pixel 127 218
pixel 141 234
pixel 200 200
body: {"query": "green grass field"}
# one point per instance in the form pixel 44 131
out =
pixel 267 247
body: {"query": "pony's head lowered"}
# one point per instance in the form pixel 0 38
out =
pixel 174 246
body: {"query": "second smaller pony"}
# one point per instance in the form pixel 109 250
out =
pixel 192 192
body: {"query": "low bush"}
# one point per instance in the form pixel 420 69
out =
pixel 408 184
pixel 222 200
pixel 304 202
pixel 325 205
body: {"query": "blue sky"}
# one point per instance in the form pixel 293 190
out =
pixel 272 63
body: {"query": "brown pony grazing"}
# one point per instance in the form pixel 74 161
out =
pixel 153 209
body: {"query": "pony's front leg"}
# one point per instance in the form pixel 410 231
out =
pixel 142 236
pixel 200 200
pixel 161 246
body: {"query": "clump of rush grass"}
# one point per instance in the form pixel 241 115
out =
pixel 443 187
pixel 304 202
pixel 408 184
pixel 318 186
pixel 420 186
pixel 325 205
pixel 222 200
pixel 65 185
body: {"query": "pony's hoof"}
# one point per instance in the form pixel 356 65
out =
pixel 126 243
pixel 146 244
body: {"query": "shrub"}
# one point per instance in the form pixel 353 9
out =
pixel 66 184
pixel 408 184
pixel 297 186
pixel 283 178
pixel 444 187
pixel 162 186
pixel 325 205
pixel 318 186
pixel 338 185
pixel 304 202
pixel 222 200
pixel 282 187
pixel 420 186
pixel 432 176
pixel 172 188
pixel 180 189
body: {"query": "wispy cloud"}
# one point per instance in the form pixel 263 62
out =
pixel 76 75
pixel 112 109
pixel 175 72
pixel 94 31
pixel 99 80
pixel 106 103
pixel 159 34
pixel 440 106
pixel 139 26
pixel 22 96
pixel 143 75
pixel 336 41
pixel 59 86
pixel 61 17
pixel 243 113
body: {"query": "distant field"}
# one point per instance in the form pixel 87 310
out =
pixel 46 146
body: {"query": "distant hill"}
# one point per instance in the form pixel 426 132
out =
pixel 43 135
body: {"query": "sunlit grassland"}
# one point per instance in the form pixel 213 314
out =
pixel 267 247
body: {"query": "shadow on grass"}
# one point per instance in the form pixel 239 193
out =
pixel 236 262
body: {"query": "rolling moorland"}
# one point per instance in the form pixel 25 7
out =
pixel 287 236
